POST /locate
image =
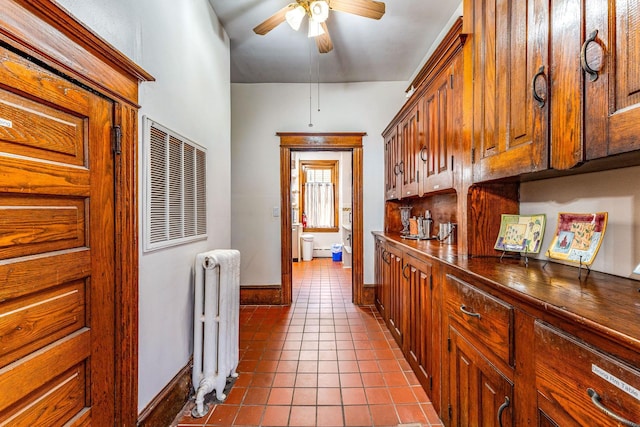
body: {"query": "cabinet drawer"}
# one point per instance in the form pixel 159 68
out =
pixel 487 318
pixel 568 369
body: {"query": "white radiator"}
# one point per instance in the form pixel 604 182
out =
pixel 216 323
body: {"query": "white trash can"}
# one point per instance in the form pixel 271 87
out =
pixel 307 247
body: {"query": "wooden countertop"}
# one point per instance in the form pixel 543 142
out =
pixel 606 304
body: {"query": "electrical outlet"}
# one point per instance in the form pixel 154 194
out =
pixel 276 212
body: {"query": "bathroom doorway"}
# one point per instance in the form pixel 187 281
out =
pixel 346 145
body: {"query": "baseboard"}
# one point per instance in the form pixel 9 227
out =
pixel 261 295
pixel 368 294
pixel 163 409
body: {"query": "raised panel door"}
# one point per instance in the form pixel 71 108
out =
pixel 510 133
pixel 397 295
pixel 410 146
pixel 57 251
pixel 391 165
pixel 479 394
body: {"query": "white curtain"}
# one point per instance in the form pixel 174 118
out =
pixel 318 204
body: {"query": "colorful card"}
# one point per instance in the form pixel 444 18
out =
pixel 578 237
pixel 521 233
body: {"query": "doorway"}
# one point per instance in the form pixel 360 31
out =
pixel 349 142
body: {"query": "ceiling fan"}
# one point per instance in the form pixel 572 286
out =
pixel 317 12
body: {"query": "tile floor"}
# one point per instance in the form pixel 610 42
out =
pixel 320 362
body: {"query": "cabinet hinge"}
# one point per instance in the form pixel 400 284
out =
pixel 418 116
pixel 449 345
pixel 450 410
pixel 430 282
pixel 473 155
pixel 417 176
pixel 451 80
pixel 117 139
pixel 451 163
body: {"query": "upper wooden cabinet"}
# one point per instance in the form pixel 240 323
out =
pixel 509 127
pixel 554 83
pixel 422 141
pixel 594 79
pixel 441 127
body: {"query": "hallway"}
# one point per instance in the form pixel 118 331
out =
pixel 320 362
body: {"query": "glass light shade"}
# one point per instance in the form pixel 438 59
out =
pixel 319 10
pixel 315 29
pixel 294 17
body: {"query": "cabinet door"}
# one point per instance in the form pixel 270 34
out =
pixel 419 330
pixel 397 295
pixel 441 128
pixel 612 88
pixel 479 394
pixel 391 165
pixel 382 263
pixel 410 147
pixel 509 127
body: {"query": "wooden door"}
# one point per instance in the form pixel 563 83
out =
pixel 420 330
pixel 479 395
pixel 410 147
pixel 611 77
pixel 397 293
pixel 509 127
pixel 391 165
pixel 57 250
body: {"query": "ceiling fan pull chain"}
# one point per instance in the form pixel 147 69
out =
pixel 310 87
pixel 318 82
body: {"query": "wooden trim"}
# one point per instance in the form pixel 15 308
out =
pixel 310 141
pixel 261 295
pixel 162 410
pixel 348 141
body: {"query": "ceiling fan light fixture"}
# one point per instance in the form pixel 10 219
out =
pixel 315 28
pixel 295 16
pixel 319 10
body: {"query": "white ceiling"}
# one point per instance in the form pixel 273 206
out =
pixel 389 49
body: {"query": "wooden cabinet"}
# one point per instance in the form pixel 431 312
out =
pixel 510 134
pixel 396 308
pixel 554 84
pixel 595 80
pixel 391 163
pixel 441 127
pixel 381 269
pixel 419 332
pixel 479 342
pixel 580 385
pixel 410 145
pixel 479 394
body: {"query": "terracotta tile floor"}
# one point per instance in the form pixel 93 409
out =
pixel 320 362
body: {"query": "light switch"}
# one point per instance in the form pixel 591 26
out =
pixel 276 211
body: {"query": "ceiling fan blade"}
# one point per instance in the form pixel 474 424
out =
pixel 324 43
pixel 367 8
pixel 273 21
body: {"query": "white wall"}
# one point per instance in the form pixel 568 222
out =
pixel 187 51
pixel 616 192
pixel 258 111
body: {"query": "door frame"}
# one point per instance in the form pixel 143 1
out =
pixel 336 141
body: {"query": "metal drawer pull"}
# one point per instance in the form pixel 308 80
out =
pixel 404 269
pixel 595 398
pixel 501 409
pixel 593 74
pixel 463 309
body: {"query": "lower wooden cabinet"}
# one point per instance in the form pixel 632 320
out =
pixel 396 308
pixel 479 394
pixel 579 385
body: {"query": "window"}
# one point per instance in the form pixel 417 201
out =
pixel 319 189
pixel 175 188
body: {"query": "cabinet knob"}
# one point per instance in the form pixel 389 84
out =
pixel 595 399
